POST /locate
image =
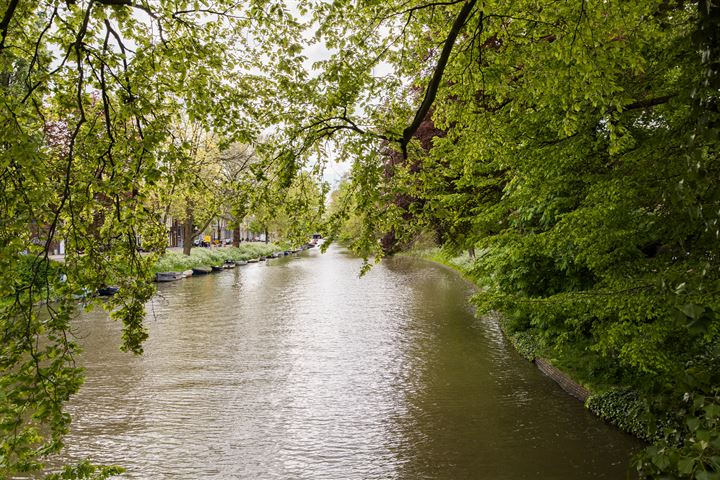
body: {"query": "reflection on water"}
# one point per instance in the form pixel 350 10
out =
pixel 298 369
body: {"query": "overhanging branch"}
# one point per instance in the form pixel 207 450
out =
pixel 5 24
pixel 432 88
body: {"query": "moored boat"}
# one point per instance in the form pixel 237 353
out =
pixel 201 270
pixel 107 291
pixel 168 276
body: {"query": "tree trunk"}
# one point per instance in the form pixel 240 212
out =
pixel 187 235
pixel 236 235
pixel 267 236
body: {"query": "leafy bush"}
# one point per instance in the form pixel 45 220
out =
pixel 177 262
pixel 527 343
pixel 690 449
pixel 623 408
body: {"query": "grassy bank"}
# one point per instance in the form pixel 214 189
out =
pixel 177 262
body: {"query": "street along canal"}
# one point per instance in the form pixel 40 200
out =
pixel 299 369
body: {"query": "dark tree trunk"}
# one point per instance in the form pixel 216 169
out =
pixel 187 235
pixel 267 236
pixel 236 235
pixel 389 243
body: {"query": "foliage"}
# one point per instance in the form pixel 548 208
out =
pixel 91 90
pixel 177 262
pixel 576 151
pixel 205 180
pixel 86 471
pixel 343 219
pixel 573 145
pixel 623 408
pixel 527 344
pixel 292 213
pixel 38 277
pixel 691 450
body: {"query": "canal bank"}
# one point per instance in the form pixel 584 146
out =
pixel 621 407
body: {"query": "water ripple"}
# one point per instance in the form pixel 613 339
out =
pixel 299 369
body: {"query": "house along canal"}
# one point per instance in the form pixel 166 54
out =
pixel 298 369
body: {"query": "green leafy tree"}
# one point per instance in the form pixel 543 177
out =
pixel 90 90
pixel 290 214
pixel 190 190
pixel 580 159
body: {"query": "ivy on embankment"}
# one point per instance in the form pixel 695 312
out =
pixel 625 409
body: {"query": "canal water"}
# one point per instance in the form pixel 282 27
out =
pixel 299 369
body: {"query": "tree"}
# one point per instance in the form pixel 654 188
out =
pixel 238 184
pixel 190 189
pixel 89 92
pixel 580 159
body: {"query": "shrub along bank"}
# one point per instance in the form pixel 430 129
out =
pixel 177 262
pixel 684 433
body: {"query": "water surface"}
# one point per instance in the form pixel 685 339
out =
pixel 298 369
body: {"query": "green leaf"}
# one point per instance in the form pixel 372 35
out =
pixel 693 311
pixel 686 465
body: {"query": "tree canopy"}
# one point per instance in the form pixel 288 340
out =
pixel 90 93
pixel 572 145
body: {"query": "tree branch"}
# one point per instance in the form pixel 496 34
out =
pixel 5 24
pixel 432 88
pixel 650 102
pixel 116 3
pixel 429 5
pixel 577 25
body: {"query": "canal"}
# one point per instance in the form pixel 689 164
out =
pixel 299 369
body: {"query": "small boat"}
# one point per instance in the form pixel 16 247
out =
pixel 217 268
pixel 168 276
pixel 107 291
pixel 201 270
